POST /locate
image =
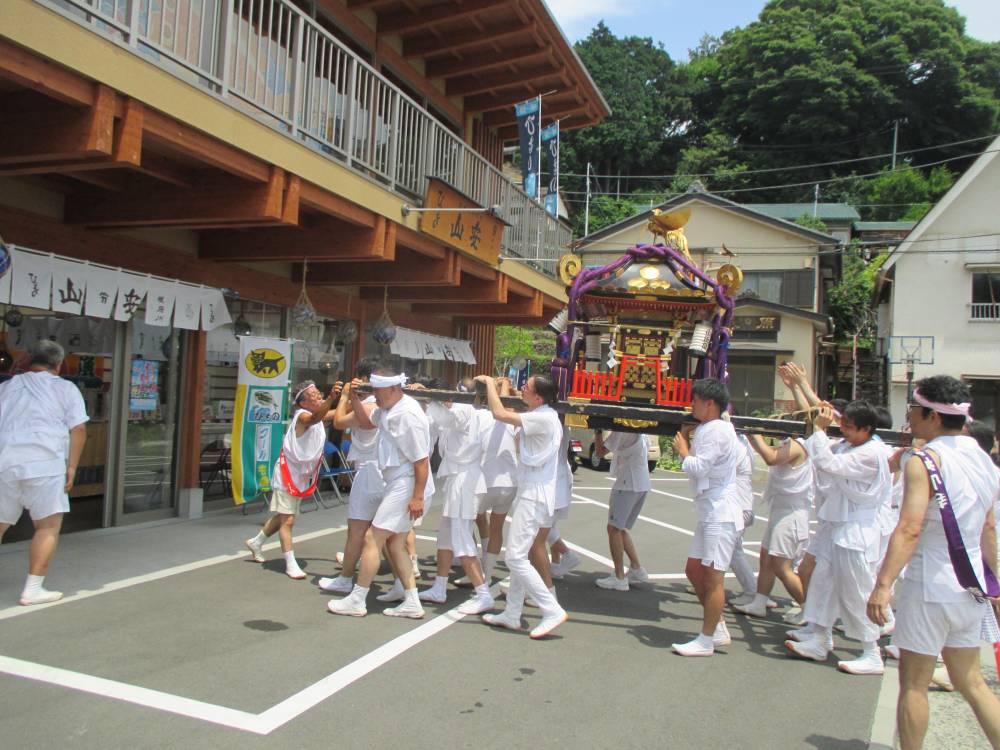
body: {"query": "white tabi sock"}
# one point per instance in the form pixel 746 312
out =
pixel 870 648
pixel 291 564
pixel 260 538
pixel 359 592
pixel 483 590
pixel 32 585
pixel 705 641
pixel 440 584
pixel 823 635
pixel 489 561
pixel 411 597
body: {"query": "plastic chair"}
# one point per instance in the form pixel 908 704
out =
pixel 334 466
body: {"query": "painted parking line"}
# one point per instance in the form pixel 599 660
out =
pixel 677 576
pixel 18 611
pixel 691 500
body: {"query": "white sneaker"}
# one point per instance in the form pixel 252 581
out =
pixel 866 664
pixel 637 575
pixel 771 604
pixel 812 649
pixel 756 608
pixel 42 596
pixel 338 585
pixel 569 561
pixel 350 605
pixel 892 651
pixel 433 595
pixel 503 620
pixel 794 616
pixel 613 582
pixel 801 634
pixel 256 553
pixel 295 572
pixel 406 609
pixel 394 594
pixel 548 624
pixel 477 605
pixel 692 648
pixel 721 635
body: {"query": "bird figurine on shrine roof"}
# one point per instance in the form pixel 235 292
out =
pixel 670 227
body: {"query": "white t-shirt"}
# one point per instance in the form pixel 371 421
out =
pixel 364 443
pixel 744 474
pixel 458 436
pixel 403 438
pixel 712 466
pixel 302 454
pixel 629 452
pixel 789 486
pixel 499 451
pixel 37 411
pixel 538 454
pixel 564 474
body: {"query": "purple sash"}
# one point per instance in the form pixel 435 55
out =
pixel 964 571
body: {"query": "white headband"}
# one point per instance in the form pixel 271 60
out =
pixel 381 381
pixel 299 394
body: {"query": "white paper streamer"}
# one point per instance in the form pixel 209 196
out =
pixel 187 307
pixel 31 283
pixel 69 285
pixel 131 292
pixel 213 310
pixel 102 290
pixel 160 302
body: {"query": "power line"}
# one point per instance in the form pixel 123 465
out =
pixel 837 248
pixel 786 169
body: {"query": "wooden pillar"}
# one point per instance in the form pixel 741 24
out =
pixel 190 410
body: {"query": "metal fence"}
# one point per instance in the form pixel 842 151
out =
pixel 984 311
pixel 270 58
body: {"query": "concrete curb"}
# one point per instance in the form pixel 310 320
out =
pixel 883 733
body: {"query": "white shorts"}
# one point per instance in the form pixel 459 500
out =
pixel 927 627
pixel 561 514
pixel 282 502
pixel 787 532
pixel 40 496
pixel 366 492
pixel 714 543
pixel 456 534
pixel 393 512
pixel 624 508
pixel 498 500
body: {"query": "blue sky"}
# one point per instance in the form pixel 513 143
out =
pixel 679 25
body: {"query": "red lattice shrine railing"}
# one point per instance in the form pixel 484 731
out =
pixel 607 386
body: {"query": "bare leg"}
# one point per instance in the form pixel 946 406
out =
pixel 915 672
pixel 411 543
pixel 370 558
pixel 616 544
pixel 472 569
pixel 271 525
pixel 539 557
pixel 806 568
pixel 483 526
pixel 445 557
pixel 356 530
pixel 401 560
pixel 714 598
pixel 496 533
pixel 783 569
pixel 693 570
pixel 629 545
pixel 3 529
pixel 765 574
pixel 286 521
pixel 967 677
pixel 44 544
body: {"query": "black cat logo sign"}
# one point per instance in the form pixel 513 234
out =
pixel 265 363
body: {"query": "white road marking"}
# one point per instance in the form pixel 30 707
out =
pixel 125 583
pixel 263 723
pixel 690 500
pixel 677 576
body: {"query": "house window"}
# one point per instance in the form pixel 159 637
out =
pixel 986 296
pixel 791 288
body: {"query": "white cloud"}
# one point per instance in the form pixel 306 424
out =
pixel 577 17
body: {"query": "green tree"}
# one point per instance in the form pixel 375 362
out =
pixel 511 343
pixel 850 301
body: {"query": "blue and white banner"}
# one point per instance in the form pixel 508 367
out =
pixel 529 123
pixel 550 140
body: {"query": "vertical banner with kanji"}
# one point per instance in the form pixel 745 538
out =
pixel 550 141
pixel 529 123
pixel 259 414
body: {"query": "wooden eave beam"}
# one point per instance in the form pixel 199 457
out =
pixel 420 243
pixel 470 291
pixel 513 91
pixel 567 121
pixel 450 67
pixel 408 270
pixel 363 4
pixel 428 46
pixel 552 107
pixel 322 200
pixel 432 15
pixel 27 69
pixel 529 308
pixel 324 240
pixel 221 203
pixel 53 132
pixel 478 85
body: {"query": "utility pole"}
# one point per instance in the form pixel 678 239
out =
pixel 895 141
pixel 816 201
pixel 586 210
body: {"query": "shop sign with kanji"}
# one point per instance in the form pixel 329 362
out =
pixel 477 234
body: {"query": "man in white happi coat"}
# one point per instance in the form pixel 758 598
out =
pixel 367 486
pixel 404 460
pixel 711 460
pixel 295 474
pixel 42 433
pixel 935 613
pixel 499 464
pixel 538 447
pixel 629 464
pixel 464 489
pixel 853 480
pixel 788 497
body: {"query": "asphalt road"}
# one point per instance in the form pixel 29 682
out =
pixel 235 655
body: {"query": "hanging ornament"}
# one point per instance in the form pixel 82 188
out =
pixel 384 331
pixel 14 317
pixel 303 311
pixel 347 331
pixel 612 362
